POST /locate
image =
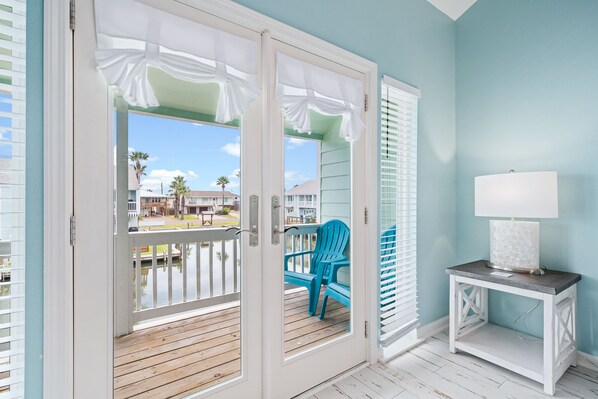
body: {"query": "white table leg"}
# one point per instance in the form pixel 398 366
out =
pixel 484 303
pixel 549 344
pixel 454 310
pixel 574 323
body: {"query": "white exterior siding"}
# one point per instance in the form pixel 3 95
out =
pixel 335 185
pixel 335 181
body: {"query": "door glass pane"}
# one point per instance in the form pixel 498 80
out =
pixel 177 259
pixel 317 242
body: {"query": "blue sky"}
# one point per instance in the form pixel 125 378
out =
pixel 202 153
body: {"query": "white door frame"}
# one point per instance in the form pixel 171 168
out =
pixel 58 173
pixel 58 101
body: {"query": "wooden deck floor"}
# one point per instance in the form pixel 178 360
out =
pixel 176 359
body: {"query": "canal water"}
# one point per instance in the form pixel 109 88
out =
pixel 192 268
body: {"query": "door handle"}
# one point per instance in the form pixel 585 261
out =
pixel 276 225
pixel 285 230
pixel 253 222
pixel 253 231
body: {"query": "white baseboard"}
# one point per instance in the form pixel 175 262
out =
pixel 588 361
pixel 433 328
pixel 410 341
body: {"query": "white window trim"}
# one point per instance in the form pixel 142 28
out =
pixel 401 86
pixel 58 288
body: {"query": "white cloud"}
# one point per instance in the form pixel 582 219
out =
pixel 198 124
pixel 293 142
pixel 293 178
pixel 233 149
pixel 155 177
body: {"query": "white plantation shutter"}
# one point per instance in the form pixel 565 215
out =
pixel 12 197
pixel 398 210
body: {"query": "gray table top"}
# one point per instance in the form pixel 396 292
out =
pixel 553 282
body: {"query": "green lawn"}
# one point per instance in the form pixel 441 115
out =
pixel 185 217
pixel 197 224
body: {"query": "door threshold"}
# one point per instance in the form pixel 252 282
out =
pixel 331 381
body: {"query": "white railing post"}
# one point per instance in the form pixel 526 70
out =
pixel 235 266
pixel 211 269
pixel 184 265
pixel 138 278
pixel 223 265
pixel 198 270
pixel 154 276
pixel 169 268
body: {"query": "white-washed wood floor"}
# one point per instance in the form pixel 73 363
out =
pixel 431 371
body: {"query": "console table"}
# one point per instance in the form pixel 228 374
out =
pixel 544 360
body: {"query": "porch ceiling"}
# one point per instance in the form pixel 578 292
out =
pixel 198 101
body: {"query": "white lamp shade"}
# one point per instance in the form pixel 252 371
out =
pixel 517 195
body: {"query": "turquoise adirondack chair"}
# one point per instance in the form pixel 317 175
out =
pixel 331 242
pixel 388 256
pixel 338 291
pixel 388 268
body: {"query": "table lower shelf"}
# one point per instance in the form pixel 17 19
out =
pixel 518 352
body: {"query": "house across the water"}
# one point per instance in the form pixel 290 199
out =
pixel 204 201
pixel 302 202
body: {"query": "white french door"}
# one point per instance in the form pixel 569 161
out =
pixel 283 350
pixel 100 276
pixel 303 351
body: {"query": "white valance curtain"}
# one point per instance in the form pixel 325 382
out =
pixel 131 37
pixel 301 86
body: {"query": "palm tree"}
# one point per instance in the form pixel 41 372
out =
pixel 222 182
pixel 176 186
pixel 136 157
pixel 184 193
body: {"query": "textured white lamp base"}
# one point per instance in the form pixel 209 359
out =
pixel 515 246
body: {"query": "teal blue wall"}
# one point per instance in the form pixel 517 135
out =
pixel 34 236
pixel 527 99
pixel 412 41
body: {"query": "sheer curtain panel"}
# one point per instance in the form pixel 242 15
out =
pixel 132 37
pixel 301 87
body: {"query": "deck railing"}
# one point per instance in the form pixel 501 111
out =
pixel 182 270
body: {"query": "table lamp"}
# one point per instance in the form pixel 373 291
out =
pixel 515 245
